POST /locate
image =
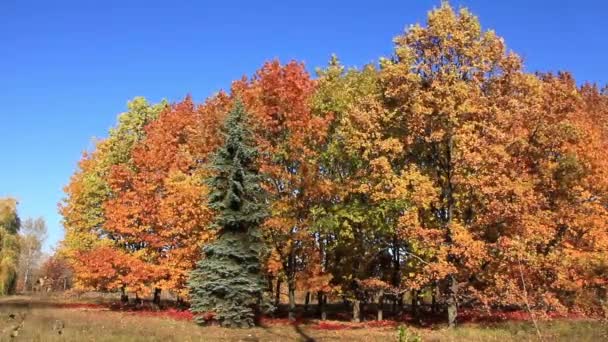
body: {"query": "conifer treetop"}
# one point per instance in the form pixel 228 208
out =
pixel 236 194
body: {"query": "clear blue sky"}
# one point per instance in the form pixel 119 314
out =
pixel 67 68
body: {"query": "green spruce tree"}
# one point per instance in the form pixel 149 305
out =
pixel 227 280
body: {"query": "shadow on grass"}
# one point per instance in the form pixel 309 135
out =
pixel 266 324
pixel 301 332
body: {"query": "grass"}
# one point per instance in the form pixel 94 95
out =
pixel 53 320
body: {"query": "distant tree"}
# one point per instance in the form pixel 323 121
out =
pixel 33 234
pixel 57 271
pixel 228 281
pixel 9 245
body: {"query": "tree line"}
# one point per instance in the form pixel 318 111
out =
pixel 24 266
pixel 445 169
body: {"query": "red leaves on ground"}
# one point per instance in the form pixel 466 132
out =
pixel 465 316
pixel 171 313
pixel 178 315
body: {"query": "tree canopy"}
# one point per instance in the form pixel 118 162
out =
pixel 446 169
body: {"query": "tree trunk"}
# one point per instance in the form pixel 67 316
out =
pixel 380 305
pixel 452 305
pixel 156 299
pixel 323 311
pixel 434 299
pixel 26 276
pixel 321 296
pixel 180 302
pixel 448 190
pixel 414 294
pixel 277 294
pixel 321 301
pixel 291 284
pixel 394 306
pixel 124 298
pixel 292 299
pixel 257 312
pixel 356 311
pixel 306 301
pixel 363 306
pixel 396 281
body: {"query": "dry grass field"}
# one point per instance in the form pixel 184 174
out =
pixel 52 319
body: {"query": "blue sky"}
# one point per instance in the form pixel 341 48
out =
pixel 67 68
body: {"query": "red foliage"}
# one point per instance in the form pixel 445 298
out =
pixel 171 313
pixel 326 325
pixel 57 272
pixel 178 315
pixel 465 316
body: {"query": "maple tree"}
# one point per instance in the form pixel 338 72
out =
pixel 106 268
pixel 158 213
pixel 83 207
pixel 288 134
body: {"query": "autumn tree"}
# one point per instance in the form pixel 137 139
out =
pixel 288 134
pixel 356 224
pixel 32 236
pixel 82 209
pixel 57 271
pixel 445 84
pixel 9 245
pixel 562 244
pixel 106 268
pixel 228 280
pixel 158 214
pixel 446 169
pixel 88 190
